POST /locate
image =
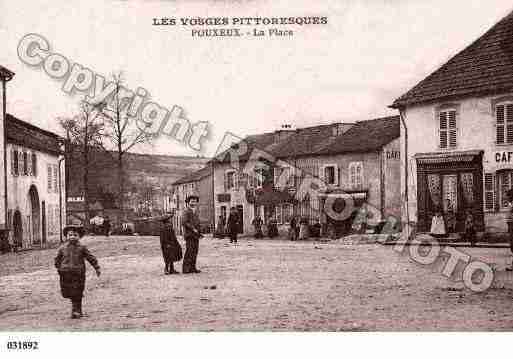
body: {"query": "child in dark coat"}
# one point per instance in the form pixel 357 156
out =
pixel 171 249
pixel 70 265
pixel 470 232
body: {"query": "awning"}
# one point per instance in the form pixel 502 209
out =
pixel 448 157
pixel 272 196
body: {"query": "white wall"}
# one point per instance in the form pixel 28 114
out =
pixel 476 131
pixel 18 194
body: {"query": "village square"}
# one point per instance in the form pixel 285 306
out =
pixel 397 222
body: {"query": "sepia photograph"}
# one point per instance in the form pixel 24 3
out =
pixel 255 167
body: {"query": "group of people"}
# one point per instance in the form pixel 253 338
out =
pixel 230 226
pixel 442 225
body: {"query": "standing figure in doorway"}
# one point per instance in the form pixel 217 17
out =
pixel 233 225
pixel 221 224
pixel 106 226
pixel 438 225
pixel 450 218
pixel 257 223
pixel 470 232
pixel 191 234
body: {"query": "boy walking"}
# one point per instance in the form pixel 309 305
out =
pixel 70 265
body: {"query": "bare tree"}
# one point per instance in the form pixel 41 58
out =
pixel 121 131
pixel 84 134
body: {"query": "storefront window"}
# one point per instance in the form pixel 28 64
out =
pixel 505 184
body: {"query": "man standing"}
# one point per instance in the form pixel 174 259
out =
pixel 233 225
pixel 106 226
pixel 192 234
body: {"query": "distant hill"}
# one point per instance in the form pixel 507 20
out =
pixel 142 171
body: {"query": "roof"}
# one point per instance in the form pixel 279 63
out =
pixel 5 74
pixel 364 136
pixel 260 142
pixel 304 141
pixel 195 176
pixel 484 67
pixel 25 134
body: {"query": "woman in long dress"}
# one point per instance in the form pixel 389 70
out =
pixel 438 225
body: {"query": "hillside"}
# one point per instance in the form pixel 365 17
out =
pixel 142 171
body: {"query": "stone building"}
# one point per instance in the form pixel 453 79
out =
pixel 31 179
pixel 198 183
pixel 275 172
pixel 457 136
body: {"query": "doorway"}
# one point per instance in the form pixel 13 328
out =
pixel 17 229
pixel 35 211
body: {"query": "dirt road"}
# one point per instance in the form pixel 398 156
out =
pixel 255 285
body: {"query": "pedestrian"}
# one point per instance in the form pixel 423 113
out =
pixel 233 225
pixel 257 223
pixel 272 228
pixel 171 249
pixel 70 265
pixel 221 223
pixel 470 232
pixel 450 218
pixel 303 228
pixel 292 229
pixel 192 234
pixel 316 229
pixel 106 226
pixel 438 225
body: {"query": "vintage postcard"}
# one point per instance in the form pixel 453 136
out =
pixel 255 166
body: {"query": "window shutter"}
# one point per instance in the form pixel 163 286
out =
pixel 359 175
pixel 12 162
pixel 509 123
pixel 499 114
pixel 34 165
pixel 29 164
pixel 443 129
pixel 489 190
pixel 20 162
pixel 25 163
pixel 453 129
pixel 16 162
pixel 225 181
pixel 55 178
pixel 49 168
pixel 338 176
pixel 236 179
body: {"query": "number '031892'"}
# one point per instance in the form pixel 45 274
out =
pixel 22 345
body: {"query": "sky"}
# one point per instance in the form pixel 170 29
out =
pixel 351 69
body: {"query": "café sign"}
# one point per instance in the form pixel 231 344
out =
pixel 503 157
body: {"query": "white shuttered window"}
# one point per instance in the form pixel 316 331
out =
pixel 448 129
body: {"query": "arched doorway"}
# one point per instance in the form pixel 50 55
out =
pixel 35 211
pixel 17 229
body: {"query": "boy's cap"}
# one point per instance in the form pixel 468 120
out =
pixel 78 229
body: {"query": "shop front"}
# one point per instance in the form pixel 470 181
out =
pixel 339 210
pixel 452 183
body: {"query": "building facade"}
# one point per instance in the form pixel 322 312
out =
pixel 275 175
pixel 32 186
pixel 198 183
pixel 457 137
pixel 35 181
